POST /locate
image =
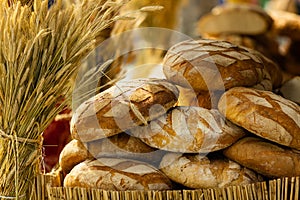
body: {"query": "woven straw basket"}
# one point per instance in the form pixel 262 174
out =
pixel 277 189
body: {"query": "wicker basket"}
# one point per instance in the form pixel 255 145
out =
pixel 278 189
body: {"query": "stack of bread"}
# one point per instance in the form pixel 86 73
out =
pixel 216 120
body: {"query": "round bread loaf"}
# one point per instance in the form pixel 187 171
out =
pixel 72 154
pixel 124 146
pixel 263 113
pixel 117 174
pixel 118 146
pixel 286 23
pixel 189 130
pixel 213 65
pixel 199 171
pixel 121 107
pixel 244 19
pixel 264 157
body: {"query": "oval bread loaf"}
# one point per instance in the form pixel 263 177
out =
pixel 121 107
pixel 200 171
pixel 264 157
pixel 243 19
pixel 117 174
pixel 189 130
pixel 124 146
pixel 72 154
pixel 119 146
pixel 213 65
pixel 263 113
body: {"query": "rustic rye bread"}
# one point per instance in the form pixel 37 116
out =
pixel 117 174
pixel 72 154
pixel 124 146
pixel 268 159
pixel 263 113
pixel 286 24
pixel 121 107
pixel 244 19
pixel 189 130
pixel 201 171
pixel 118 146
pixel 213 65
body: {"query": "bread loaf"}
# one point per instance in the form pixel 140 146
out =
pixel 263 113
pixel 72 154
pixel 121 107
pixel 200 171
pixel 243 19
pixel 213 65
pixel 264 157
pixel 189 130
pixel 286 23
pixel 117 174
pixel 124 146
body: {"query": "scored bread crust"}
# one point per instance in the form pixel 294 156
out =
pixel 121 107
pixel 124 146
pixel 263 113
pixel 268 159
pixel 200 171
pixel 189 130
pixel 119 146
pixel 117 174
pixel 213 65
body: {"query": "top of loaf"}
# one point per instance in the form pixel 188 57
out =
pixel 121 107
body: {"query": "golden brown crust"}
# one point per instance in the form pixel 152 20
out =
pixel 264 157
pixel 117 174
pixel 200 171
pixel 119 108
pixel 244 19
pixel 286 23
pixel 213 65
pixel 124 146
pixel 189 130
pixel 72 154
pixel 263 113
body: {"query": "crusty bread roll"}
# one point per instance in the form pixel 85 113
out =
pixel 189 130
pixel 119 146
pixel 286 23
pixel 243 19
pixel 72 154
pixel 200 171
pixel 124 146
pixel 213 65
pixel 121 107
pixel 263 113
pixel 264 157
pixel 117 174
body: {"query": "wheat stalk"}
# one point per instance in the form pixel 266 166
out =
pixel 40 52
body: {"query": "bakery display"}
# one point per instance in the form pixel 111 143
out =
pixel 263 113
pixel 222 117
pixel 265 157
pixel 121 107
pixel 189 130
pixel 201 171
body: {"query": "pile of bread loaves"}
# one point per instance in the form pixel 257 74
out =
pixel 215 121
